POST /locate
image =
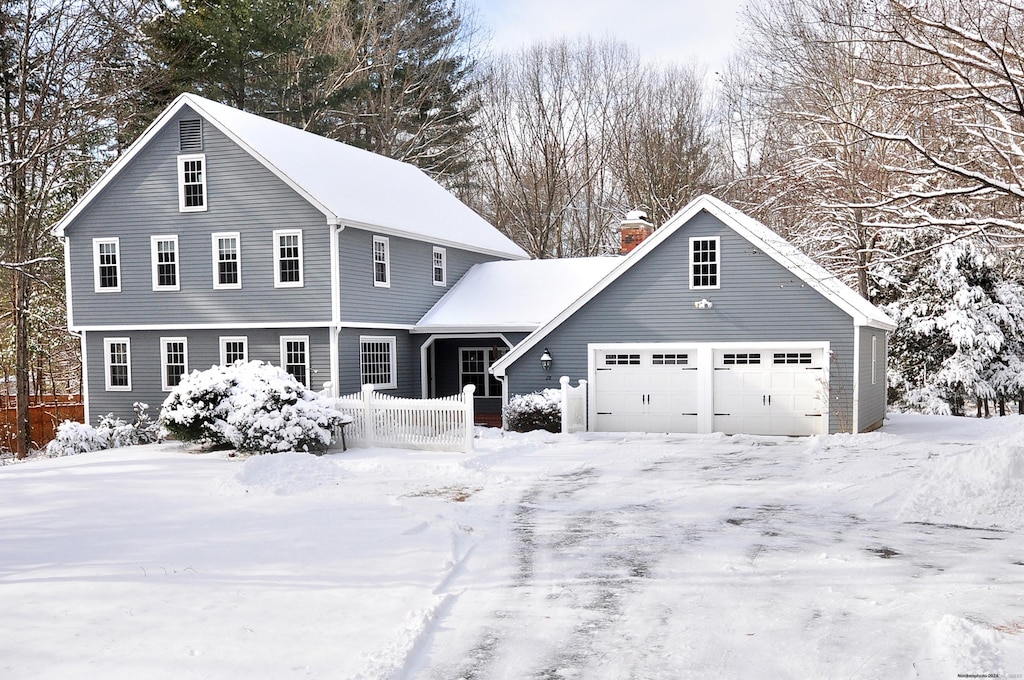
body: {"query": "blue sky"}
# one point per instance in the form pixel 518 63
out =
pixel 671 30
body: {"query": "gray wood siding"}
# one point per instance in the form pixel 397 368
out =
pixel 872 393
pixel 412 292
pixel 407 361
pixel 243 197
pixel 758 301
pixel 203 352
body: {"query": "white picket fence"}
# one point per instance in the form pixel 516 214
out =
pixel 442 424
pixel 574 406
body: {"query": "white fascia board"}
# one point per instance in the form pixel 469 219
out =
pixel 125 328
pixel 480 330
pixel 377 326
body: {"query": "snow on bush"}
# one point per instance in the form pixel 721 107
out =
pixel 537 411
pixel 110 433
pixel 253 407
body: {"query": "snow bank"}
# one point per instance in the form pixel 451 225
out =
pixel 982 486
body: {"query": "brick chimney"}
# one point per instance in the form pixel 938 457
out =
pixel 635 228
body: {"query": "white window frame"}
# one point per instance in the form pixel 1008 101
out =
pixel 717 261
pixel 223 342
pixel 874 359
pixel 165 384
pixel 278 235
pixel 439 263
pixel 182 160
pixel 392 343
pixel 285 339
pixel 215 246
pixel 96 243
pixel 385 250
pixel 107 342
pixel 154 256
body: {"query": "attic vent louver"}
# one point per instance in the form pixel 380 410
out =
pixel 190 135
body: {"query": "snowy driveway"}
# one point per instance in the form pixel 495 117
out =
pixel 894 554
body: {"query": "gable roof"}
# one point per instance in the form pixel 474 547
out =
pixel 814 275
pixel 513 295
pixel 350 186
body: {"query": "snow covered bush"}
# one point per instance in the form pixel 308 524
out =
pixel 110 433
pixel 537 411
pixel 253 407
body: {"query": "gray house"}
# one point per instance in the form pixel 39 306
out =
pixel 714 324
pixel 220 236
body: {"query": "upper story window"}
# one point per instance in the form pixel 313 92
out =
pixel 377 361
pixel 173 361
pixel 381 262
pixel 704 262
pixel 164 251
pixel 440 267
pixel 233 348
pixel 288 258
pixel 117 364
pixel 192 183
pixel 106 259
pixel 227 260
pixel 295 357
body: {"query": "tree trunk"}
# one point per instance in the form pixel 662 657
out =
pixel 21 353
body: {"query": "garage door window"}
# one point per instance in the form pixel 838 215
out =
pixel 670 359
pixel 792 358
pixel 742 359
pixel 622 360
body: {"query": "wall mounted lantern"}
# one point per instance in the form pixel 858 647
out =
pixel 545 360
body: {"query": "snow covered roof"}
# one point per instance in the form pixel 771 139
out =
pixel 817 277
pixel 514 295
pixel 350 186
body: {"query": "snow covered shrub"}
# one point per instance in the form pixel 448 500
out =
pixel 74 438
pixel 537 411
pixel 254 407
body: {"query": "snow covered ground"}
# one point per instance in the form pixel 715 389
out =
pixel 895 554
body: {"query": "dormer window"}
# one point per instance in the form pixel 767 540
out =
pixel 192 183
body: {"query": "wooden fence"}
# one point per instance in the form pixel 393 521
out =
pixel 444 424
pixel 44 417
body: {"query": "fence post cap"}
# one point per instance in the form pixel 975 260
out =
pixel 564 380
pixel 469 389
pixel 367 388
pixel 583 383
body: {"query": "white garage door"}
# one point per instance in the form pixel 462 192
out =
pixel 769 391
pixel 645 391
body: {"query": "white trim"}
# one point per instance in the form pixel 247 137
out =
pixel 154 261
pixel 96 243
pixel 386 242
pixel 222 342
pixel 182 160
pixel 164 384
pixel 215 256
pixel 83 344
pixel 464 330
pixel 285 339
pixel 208 326
pixel 68 294
pixel 855 397
pixel 718 263
pixel 862 312
pixel 438 250
pixel 278 283
pixel 107 342
pixel 390 340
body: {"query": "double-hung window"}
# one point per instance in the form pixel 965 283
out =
pixel 381 262
pixel 192 182
pixel 106 258
pixel 377 361
pixel 440 267
pixel 227 260
pixel 295 357
pixel 288 258
pixel 164 251
pixel 233 348
pixel 173 362
pixel 704 262
pixel 474 369
pixel 117 364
